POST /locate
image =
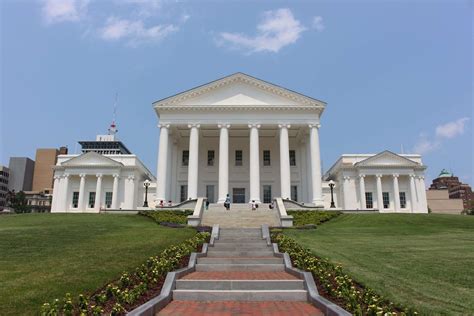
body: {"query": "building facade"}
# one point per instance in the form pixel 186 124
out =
pixel 4 177
pixel 45 160
pixel 21 174
pixel 456 189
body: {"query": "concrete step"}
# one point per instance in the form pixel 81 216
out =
pixel 232 285
pixel 240 267
pixel 240 244
pixel 241 295
pixel 262 260
pixel 239 253
pixel 248 247
pixel 241 240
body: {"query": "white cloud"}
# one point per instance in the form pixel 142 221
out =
pixel 425 145
pixel 277 29
pixel 452 129
pixel 134 31
pixel 55 11
pixel 318 24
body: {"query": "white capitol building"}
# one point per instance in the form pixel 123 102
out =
pixel 245 137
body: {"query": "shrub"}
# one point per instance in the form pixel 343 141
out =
pixel 169 216
pixel 335 285
pixel 117 297
pixel 301 218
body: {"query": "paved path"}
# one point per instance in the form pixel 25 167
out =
pixel 240 276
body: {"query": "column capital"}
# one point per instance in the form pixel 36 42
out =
pixel 413 176
pixel 347 178
pixel 254 125
pixel 280 126
pixel 82 175
pixel 379 176
pixel 65 176
pixel 421 177
pixel 131 177
pixel 223 125
pixel 395 175
pixel 362 176
pixel 57 177
pixel 196 125
pixel 317 125
pixel 164 125
pixel 115 175
pixel 99 175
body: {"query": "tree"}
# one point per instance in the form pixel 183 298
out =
pixel 17 201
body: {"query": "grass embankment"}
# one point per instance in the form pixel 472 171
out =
pixel 423 261
pixel 44 256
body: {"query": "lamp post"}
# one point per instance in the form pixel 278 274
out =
pixel 332 185
pixel 146 184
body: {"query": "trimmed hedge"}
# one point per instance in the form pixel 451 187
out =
pixel 335 285
pixel 304 217
pixel 131 289
pixel 169 216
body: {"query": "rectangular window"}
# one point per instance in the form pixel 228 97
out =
pixel 266 158
pixel 294 192
pixel 403 200
pixel 369 200
pixel 91 199
pixel 75 199
pixel 210 157
pixel 185 158
pixel 238 157
pixel 386 199
pixel 108 199
pixel 267 194
pixel 292 158
pixel 183 193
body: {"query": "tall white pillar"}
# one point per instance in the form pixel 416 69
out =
pixel 98 192
pixel 193 166
pixel 345 190
pixel 413 197
pixel 285 176
pixel 363 203
pixel 56 196
pixel 131 192
pixel 162 167
pixel 396 193
pixel 423 205
pixel 82 185
pixel 316 165
pixel 223 162
pixel 114 205
pixel 254 163
pixel 379 192
pixel 64 192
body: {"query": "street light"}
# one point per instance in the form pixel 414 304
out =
pixel 332 185
pixel 146 184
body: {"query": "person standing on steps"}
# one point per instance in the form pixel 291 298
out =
pixel 227 202
pixel 207 205
pixel 254 205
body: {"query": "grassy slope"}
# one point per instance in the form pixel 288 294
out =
pixel 424 261
pixel 43 256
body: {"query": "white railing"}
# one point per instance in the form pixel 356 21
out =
pixel 285 219
pixel 195 219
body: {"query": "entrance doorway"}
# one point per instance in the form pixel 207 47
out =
pixel 238 195
pixel 210 193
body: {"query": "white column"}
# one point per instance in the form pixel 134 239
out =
pixel 223 162
pixel 162 167
pixel 315 165
pixel 56 196
pixel 423 205
pixel 193 166
pixel 285 176
pixel 114 205
pixel 379 192
pixel 98 192
pixel 396 192
pixel 64 193
pixel 82 185
pixel 131 192
pixel 363 204
pixel 346 189
pixel 413 198
pixel 254 163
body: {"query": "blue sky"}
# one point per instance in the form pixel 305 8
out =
pixel 394 74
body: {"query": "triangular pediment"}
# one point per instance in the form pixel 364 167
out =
pixel 240 90
pixel 387 158
pixel 91 159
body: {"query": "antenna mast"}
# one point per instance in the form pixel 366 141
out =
pixel 113 127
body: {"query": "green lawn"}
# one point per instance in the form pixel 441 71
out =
pixel 424 261
pixel 43 256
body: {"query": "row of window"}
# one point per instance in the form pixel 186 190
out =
pixel 3 188
pixel 91 203
pixel 369 200
pixel 238 158
pixel 4 180
pixel 4 173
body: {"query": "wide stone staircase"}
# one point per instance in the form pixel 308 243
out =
pixel 240 275
pixel 239 216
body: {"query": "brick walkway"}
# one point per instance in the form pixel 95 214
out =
pixel 192 308
pixel 239 275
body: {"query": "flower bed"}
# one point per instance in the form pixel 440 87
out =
pixel 131 289
pixel 167 217
pixel 335 285
pixel 304 217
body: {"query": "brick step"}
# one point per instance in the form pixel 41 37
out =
pixel 237 253
pixel 232 285
pixel 239 275
pixel 243 295
pixel 239 267
pixel 240 260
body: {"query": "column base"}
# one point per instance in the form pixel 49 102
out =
pixel 256 201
